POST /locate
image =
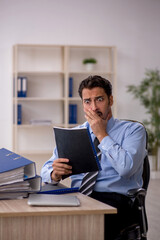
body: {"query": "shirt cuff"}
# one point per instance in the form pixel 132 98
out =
pixel 106 144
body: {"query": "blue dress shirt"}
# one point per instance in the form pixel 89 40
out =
pixel 123 152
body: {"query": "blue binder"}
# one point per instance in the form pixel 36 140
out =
pixel 72 113
pixel 10 161
pixel 57 189
pixel 22 86
pixel 19 114
pixel 70 87
pixel 19 87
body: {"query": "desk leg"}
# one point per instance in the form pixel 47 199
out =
pixel 71 227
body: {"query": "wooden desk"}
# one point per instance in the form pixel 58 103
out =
pixel 19 221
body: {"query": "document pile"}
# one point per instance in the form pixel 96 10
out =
pixel 17 176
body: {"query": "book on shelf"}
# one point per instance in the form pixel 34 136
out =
pixel 19 114
pixel 17 175
pixel 76 145
pixel 70 87
pixel 59 188
pixel 72 113
pixel 22 86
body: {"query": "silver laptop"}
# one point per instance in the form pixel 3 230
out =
pixel 53 200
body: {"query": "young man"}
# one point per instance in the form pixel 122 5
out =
pixel 122 145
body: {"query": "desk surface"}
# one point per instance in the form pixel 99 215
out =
pixel 11 208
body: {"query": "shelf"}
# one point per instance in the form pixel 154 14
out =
pixel 47 152
pixel 46 70
pixel 37 99
pixel 91 73
pixel 74 99
pixel 20 126
pixel 39 73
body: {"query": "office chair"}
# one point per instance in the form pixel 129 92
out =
pixel 138 198
pixel 138 231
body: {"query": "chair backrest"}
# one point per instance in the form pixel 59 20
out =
pixel 146 173
pixel 146 167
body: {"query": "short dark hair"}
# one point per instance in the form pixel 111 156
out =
pixel 95 81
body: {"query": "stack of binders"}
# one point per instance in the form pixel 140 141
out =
pixel 22 87
pixel 18 176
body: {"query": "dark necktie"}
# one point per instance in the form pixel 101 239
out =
pixel 89 179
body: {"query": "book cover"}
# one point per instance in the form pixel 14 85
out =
pixel 76 145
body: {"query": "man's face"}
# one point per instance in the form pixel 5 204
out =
pixel 97 100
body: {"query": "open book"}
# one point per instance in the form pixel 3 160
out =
pixel 76 145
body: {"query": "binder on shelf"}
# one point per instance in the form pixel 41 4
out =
pixel 72 113
pixel 59 188
pixel 19 91
pixel 70 87
pixel 19 114
pixel 76 145
pixel 15 168
pixel 22 86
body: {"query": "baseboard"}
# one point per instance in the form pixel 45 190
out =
pixel 155 174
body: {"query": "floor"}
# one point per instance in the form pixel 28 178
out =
pixel 153 209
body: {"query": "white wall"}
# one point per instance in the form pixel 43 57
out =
pixel 131 25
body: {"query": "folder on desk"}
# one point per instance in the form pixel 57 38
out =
pixel 15 168
pixel 59 188
pixel 28 185
pixel 17 176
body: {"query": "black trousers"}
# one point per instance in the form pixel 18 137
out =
pixel 126 214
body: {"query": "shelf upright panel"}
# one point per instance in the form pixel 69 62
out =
pixel 66 84
pixel 15 102
pixel 114 70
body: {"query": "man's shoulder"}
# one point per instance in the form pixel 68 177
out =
pixel 129 122
pixel 130 125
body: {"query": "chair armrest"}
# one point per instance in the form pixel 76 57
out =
pixel 133 193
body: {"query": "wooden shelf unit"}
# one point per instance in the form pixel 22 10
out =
pixel 48 69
